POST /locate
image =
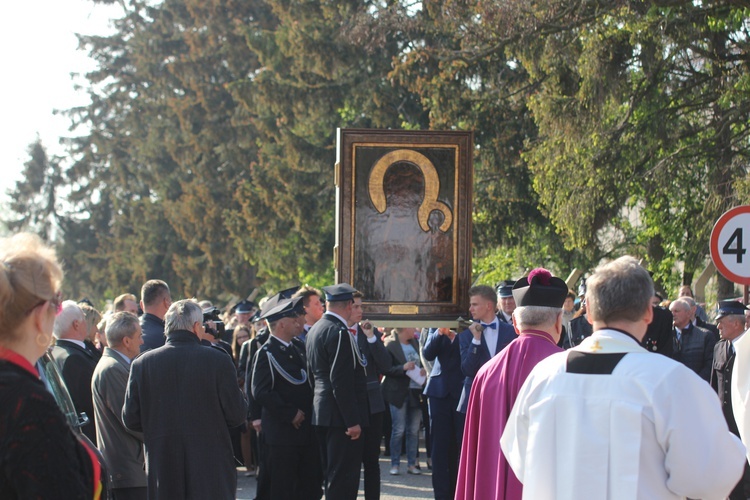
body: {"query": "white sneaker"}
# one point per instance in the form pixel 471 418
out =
pixel 413 470
pixel 394 470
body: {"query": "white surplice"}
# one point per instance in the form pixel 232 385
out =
pixel 741 387
pixel 652 429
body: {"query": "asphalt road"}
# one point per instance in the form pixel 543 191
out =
pixel 403 486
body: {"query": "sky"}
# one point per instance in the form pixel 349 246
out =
pixel 38 53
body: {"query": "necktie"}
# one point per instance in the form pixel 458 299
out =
pixel 353 330
pixel 492 325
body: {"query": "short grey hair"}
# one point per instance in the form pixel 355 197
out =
pixel 689 300
pixel 120 325
pixel 71 312
pixel 684 304
pixel 536 315
pixel 619 290
pixel 739 318
pixel 182 315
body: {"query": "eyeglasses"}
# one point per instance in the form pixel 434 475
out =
pixel 56 302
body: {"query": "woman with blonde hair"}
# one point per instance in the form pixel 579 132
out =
pixel 91 317
pixel 40 456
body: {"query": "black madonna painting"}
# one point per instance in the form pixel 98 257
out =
pixel 404 221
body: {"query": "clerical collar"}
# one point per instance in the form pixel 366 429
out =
pixel 286 344
pixel 621 331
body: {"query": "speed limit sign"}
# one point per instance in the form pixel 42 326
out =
pixel 730 242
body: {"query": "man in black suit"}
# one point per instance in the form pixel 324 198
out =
pixel 693 346
pixel 486 337
pixel 184 398
pixel 443 391
pixel 378 363
pixel 155 301
pixel 76 363
pixel 659 334
pixel 340 408
pixel 698 321
pixel 263 490
pixel 281 387
pixel 731 319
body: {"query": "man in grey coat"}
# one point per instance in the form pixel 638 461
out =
pixel 122 448
pixel 184 397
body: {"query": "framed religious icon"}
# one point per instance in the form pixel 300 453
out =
pixel 403 226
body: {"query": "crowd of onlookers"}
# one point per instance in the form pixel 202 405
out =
pixel 204 388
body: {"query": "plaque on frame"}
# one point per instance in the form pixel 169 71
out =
pixel 403 222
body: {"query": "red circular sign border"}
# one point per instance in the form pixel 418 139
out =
pixel 714 244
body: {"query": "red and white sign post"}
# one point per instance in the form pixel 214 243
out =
pixel 730 246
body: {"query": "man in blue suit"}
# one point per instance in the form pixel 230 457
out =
pixel 443 392
pixel 486 337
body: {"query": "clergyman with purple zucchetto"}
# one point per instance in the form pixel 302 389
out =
pixel 483 471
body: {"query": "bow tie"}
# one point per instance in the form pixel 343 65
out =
pixel 492 325
pixel 353 330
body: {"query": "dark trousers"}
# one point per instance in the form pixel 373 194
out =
pixel 446 430
pixel 371 455
pixel 341 458
pixel 263 489
pixel 426 425
pixel 294 472
pixel 130 493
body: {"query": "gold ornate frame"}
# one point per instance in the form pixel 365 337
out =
pixel 420 271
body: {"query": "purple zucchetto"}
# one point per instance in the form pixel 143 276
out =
pixel 540 288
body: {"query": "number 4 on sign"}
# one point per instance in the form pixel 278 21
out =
pixel 728 246
pixel 733 246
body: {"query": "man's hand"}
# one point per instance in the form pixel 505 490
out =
pixel 409 366
pixel 476 330
pixel 354 432
pixel 298 419
pixel 447 332
pixel 367 328
pixel 256 425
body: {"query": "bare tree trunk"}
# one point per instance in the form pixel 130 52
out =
pixel 726 289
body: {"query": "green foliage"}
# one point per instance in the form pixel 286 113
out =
pixel 35 197
pixel 207 151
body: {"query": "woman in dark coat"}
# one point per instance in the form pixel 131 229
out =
pixel 403 395
pixel 40 456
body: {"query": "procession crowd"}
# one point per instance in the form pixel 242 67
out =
pixel 546 394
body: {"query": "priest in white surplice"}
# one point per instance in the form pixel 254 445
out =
pixel 609 420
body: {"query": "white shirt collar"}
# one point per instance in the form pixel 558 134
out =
pixel 79 343
pixel 286 344
pixel 339 317
pixel 127 359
